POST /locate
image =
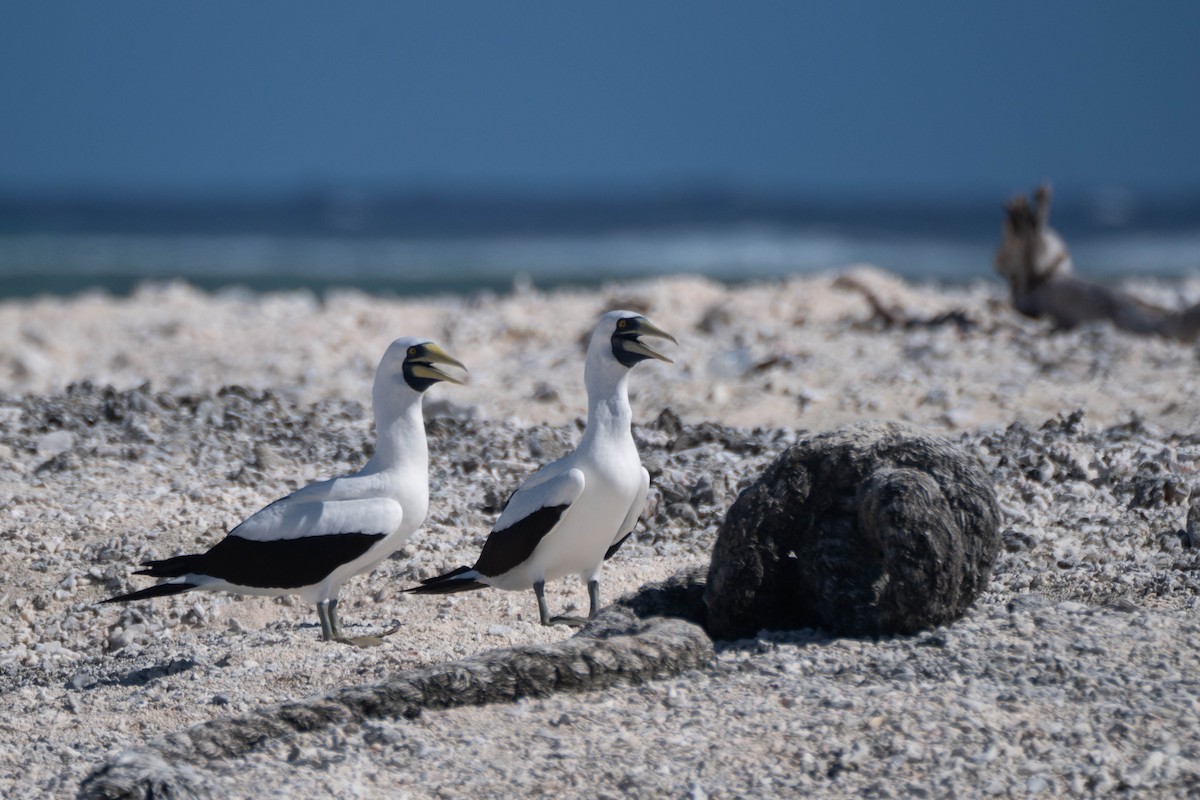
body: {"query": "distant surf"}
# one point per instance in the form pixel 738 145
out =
pixel 421 243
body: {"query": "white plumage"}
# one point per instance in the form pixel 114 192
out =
pixel 312 541
pixel 573 514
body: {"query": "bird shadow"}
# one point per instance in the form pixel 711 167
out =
pixel 82 681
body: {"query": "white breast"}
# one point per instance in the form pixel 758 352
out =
pixel 578 543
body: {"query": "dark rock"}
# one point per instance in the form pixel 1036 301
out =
pixel 669 422
pixel 684 512
pixel 703 493
pixel 80 681
pixel 730 439
pixel 1016 541
pixel 545 393
pixel 1153 486
pixel 717 316
pixel 58 463
pixel 1026 603
pixel 1191 537
pixel 871 529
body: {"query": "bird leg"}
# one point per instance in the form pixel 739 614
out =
pixel 334 623
pixel 539 589
pixel 331 627
pixel 593 598
pixel 323 616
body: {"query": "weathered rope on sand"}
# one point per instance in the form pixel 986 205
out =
pixel 616 647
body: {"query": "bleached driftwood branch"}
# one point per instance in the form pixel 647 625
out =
pixel 890 316
pixel 1037 266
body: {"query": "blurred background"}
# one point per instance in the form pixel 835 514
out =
pixel 413 147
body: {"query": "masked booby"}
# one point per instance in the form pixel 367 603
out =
pixel 575 513
pixel 312 541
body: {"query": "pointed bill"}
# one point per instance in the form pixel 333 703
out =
pixel 644 327
pixel 431 355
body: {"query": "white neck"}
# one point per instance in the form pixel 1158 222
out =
pixel 608 399
pixel 399 430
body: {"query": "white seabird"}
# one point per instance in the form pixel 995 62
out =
pixel 312 541
pixel 573 514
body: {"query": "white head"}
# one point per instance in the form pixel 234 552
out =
pixel 616 344
pixel 408 368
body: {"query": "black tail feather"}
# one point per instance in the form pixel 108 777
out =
pixel 454 573
pixel 159 590
pixel 448 583
pixel 169 567
pixel 449 587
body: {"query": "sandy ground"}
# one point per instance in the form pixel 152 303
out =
pixel 800 353
pixel 1071 676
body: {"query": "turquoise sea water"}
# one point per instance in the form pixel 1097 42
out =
pixel 415 244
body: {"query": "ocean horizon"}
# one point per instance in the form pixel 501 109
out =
pixel 418 243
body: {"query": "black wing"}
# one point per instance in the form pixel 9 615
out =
pixel 508 548
pixel 272 564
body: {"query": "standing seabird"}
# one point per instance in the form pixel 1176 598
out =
pixel 573 514
pixel 312 541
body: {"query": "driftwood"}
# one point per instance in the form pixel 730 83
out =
pixel 890 317
pixel 1033 259
pixel 619 646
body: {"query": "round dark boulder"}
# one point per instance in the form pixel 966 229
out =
pixel 870 529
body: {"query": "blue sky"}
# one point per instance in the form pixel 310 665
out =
pixel 811 97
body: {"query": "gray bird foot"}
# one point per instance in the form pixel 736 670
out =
pixel 366 641
pixel 360 641
pixel 574 622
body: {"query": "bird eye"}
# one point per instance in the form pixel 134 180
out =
pixel 622 323
pixel 412 352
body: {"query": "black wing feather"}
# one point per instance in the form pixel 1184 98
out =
pixel 612 550
pixel 502 551
pixel 273 564
pixel 506 549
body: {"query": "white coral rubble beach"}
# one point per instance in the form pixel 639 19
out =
pixel 147 426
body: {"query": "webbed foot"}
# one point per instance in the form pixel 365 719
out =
pixel 360 641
